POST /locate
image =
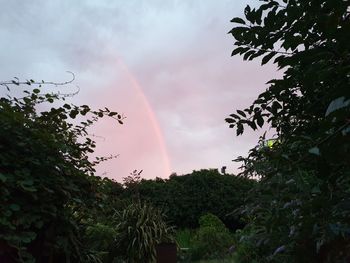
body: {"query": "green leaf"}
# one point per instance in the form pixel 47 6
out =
pixel 36 91
pixel 267 57
pixel 112 114
pixel 67 106
pixel 238 20
pixel 239 50
pixel 241 113
pixel 248 54
pixel 259 120
pixel 337 104
pixel 73 114
pixel 252 125
pixel 3 178
pixel 235 116
pixel 15 207
pixel 229 120
pixel 315 150
pixel 240 129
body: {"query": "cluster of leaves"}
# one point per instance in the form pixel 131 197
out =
pixel 212 240
pixel 187 197
pixel 140 229
pixel 46 178
pixel 299 210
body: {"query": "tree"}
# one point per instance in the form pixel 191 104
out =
pixel 46 177
pixel 187 197
pixel 299 211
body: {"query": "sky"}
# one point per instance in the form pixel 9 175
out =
pixel 165 65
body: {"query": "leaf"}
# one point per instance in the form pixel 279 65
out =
pixel 229 120
pixel 279 250
pixel 337 104
pixel 3 178
pixel 28 237
pixel 112 114
pixel 67 106
pixel 73 114
pixel 267 57
pixel 36 91
pixel 240 129
pixel 315 150
pixel 15 207
pixel 259 120
pixel 248 54
pixel 316 190
pixel 252 125
pixel 239 50
pixel 345 131
pixel 238 20
pixel 241 113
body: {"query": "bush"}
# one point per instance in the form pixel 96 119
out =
pixel 100 237
pixel 300 209
pixel 185 198
pixel 46 177
pixel 141 228
pixel 212 240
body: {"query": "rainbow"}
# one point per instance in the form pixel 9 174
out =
pixel 150 114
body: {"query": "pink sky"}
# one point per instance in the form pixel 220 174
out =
pixel 165 65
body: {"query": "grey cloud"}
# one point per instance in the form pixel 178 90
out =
pixel 178 50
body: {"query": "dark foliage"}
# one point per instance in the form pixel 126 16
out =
pixel 187 197
pixel 300 210
pixel 46 179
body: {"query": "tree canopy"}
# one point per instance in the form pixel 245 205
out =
pixel 185 198
pixel 299 212
pixel 46 178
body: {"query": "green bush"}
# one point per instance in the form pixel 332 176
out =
pixel 210 220
pixel 185 198
pixel 141 228
pixel 212 240
pixel 184 238
pixel 100 237
pixel 299 211
pixel 45 176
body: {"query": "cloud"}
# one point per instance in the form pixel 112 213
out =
pixel 179 53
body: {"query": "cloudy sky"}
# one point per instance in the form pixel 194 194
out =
pixel 164 64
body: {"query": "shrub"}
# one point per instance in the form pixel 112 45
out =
pixel 45 176
pixel 141 228
pixel 100 237
pixel 212 240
